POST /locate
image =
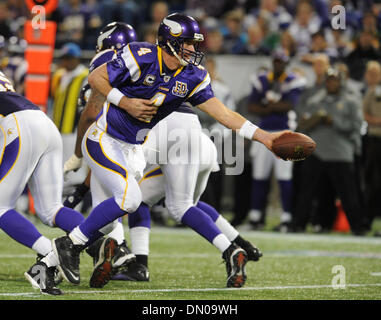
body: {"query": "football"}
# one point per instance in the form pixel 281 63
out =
pixel 293 146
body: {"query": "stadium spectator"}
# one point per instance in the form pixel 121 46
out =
pixel 150 34
pixel 233 33
pixel 5 29
pixel 319 45
pixel 369 23
pixel 255 42
pixel 120 10
pixel 158 11
pixel 214 42
pixel 287 43
pixel 273 95
pixel 211 7
pixel 306 23
pixel 279 18
pixel 75 20
pixel 364 52
pixel 330 118
pixel 372 114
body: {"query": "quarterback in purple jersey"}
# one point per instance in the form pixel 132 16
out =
pixel 143 84
pixel 181 194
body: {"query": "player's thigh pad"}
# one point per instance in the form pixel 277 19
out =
pixel 117 165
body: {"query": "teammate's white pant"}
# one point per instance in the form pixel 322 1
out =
pixel 187 157
pixel 264 161
pixel 31 152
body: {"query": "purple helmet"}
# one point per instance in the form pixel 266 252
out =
pixel 115 36
pixel 174 31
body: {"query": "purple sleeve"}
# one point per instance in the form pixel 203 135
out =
pixel 118 73
pixel 201 96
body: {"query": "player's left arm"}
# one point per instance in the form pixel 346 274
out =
pixel 234 121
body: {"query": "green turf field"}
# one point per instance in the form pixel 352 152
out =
pixel 184 266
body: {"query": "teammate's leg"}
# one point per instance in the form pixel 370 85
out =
pixel 283 173
pixel 262 163
pixel 109 164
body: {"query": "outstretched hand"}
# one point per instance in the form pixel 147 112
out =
pixel 268 138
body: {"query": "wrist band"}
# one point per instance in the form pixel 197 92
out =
pixel 114 96
pixel 247 130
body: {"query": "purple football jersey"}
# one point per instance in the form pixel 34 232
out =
pixel 10 101
pixel 101 58
pixel 137 71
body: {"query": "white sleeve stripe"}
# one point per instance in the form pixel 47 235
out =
pixel 131 63
pixel 299 82
pixel 202 85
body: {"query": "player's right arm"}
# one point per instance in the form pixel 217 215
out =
pixel 234 121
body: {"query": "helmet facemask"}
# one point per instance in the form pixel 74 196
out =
pixel 186 56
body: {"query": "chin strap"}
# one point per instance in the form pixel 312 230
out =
pixel 182 61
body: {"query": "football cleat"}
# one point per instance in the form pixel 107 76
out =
pixel 123 257
pixel 235 259
pixel 104 266
pixel 41 277
pixel 93 250
pixel 68 255
pixel 57 274
pixel 134 272
pixel 253 253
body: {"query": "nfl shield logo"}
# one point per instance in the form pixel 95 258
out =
pixel 167 78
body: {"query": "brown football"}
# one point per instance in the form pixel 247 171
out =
pixel 293 146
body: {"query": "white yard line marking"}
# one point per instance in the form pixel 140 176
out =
pixel 280 236
pixel 375 274
pixel 269 253
pixel 199 289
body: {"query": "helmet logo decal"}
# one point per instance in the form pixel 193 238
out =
pixel 104 36
pixel 175 27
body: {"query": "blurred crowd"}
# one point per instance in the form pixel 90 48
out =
pixel 343 117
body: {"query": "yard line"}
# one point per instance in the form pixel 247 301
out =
pixel 285 236
pixel 201 289
pixel 269 253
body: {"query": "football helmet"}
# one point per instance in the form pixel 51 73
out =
pixel 177 29
pixel 115 36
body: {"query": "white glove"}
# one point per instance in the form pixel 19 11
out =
pixel 72 164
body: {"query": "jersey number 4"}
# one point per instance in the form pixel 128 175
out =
pixel 143 51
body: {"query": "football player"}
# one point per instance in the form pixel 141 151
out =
pixel 153 183
pixel 31 153
pixel 112 38
pixel 169 73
